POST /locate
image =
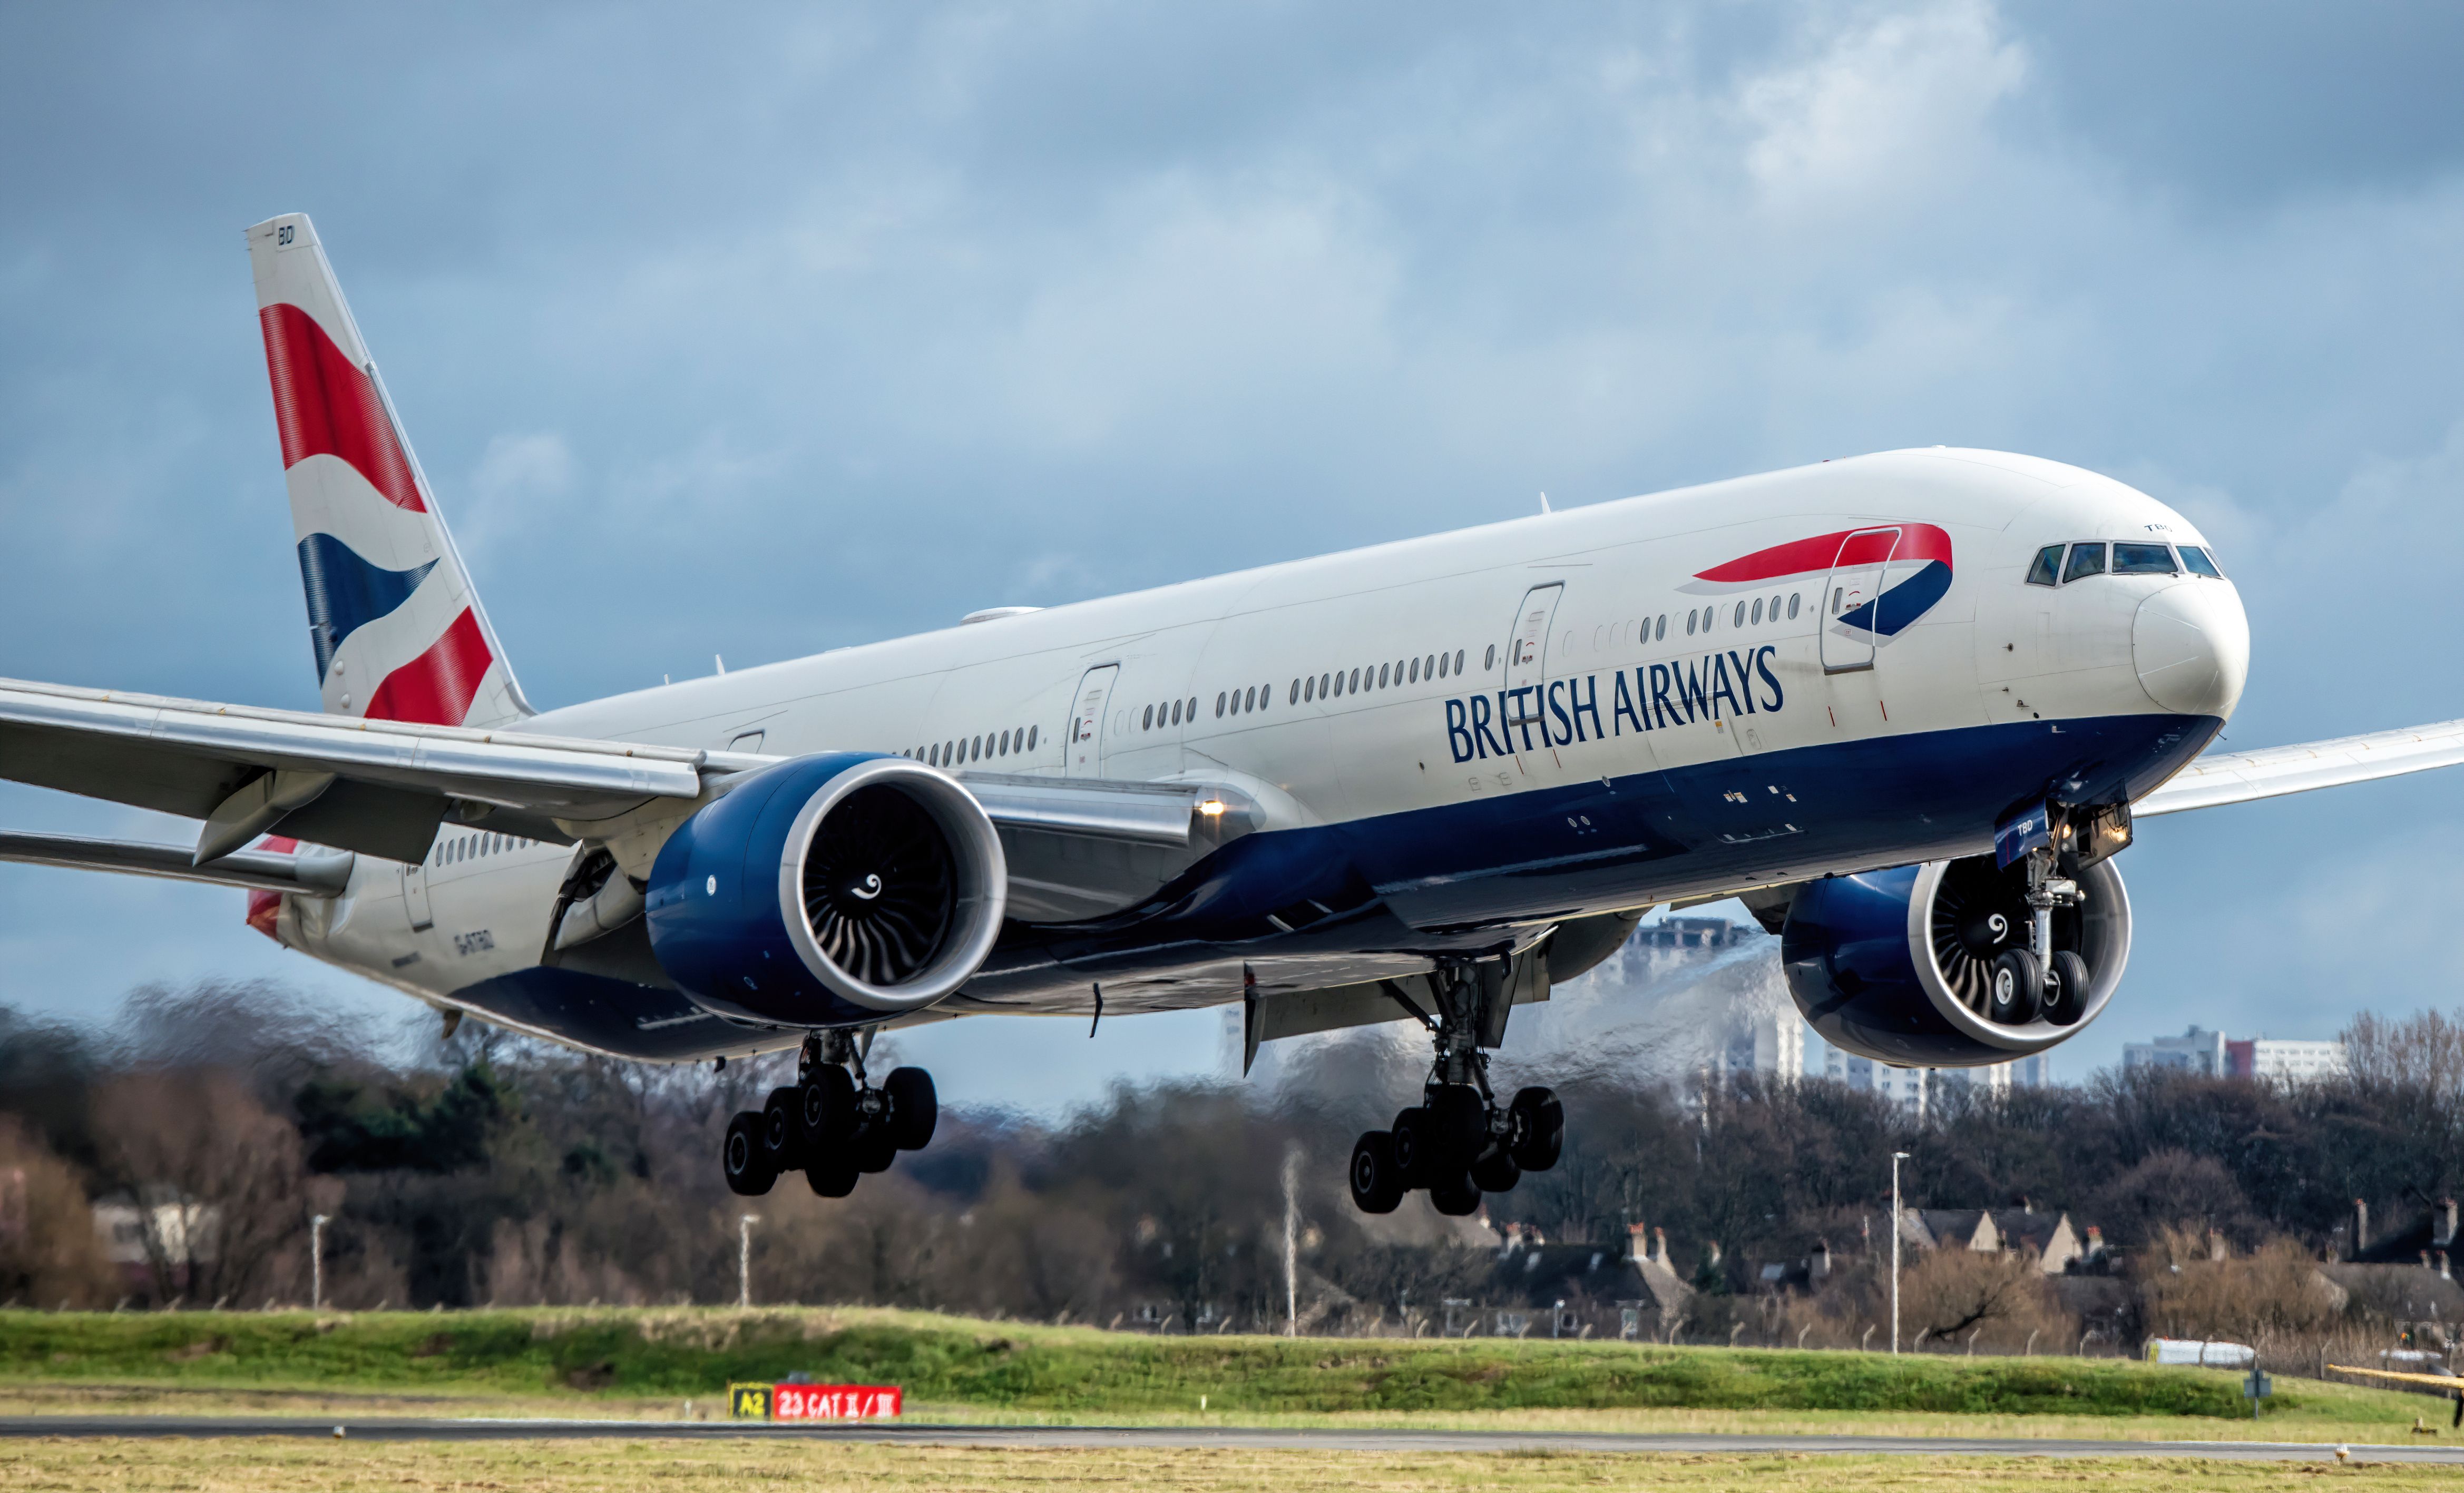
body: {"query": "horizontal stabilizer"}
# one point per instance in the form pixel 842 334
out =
pixel 311 871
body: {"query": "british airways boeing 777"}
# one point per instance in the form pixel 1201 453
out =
pixel 1906 706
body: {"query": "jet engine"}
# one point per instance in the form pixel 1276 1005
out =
pixel 1930 966
pixel 831 890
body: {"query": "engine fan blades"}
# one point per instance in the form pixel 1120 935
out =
pixel 880 886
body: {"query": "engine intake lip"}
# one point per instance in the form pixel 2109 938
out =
pixel 2105 940
pixel 979 898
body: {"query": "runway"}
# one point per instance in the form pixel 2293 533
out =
pixel 1247 1438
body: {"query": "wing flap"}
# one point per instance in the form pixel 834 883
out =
pixel 310 873
pixel 2221 778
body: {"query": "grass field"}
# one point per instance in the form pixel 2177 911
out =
pixel 650 1362
pixel 316 1467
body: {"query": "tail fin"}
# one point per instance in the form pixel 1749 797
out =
pixel 398 629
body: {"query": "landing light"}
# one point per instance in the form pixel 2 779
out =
pixel 1211 808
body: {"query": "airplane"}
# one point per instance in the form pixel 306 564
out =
pixel 1906 706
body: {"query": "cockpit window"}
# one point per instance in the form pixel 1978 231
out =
pixel 2199 563
pixel 2048 567
pixel 2086 560
pixel 2143 559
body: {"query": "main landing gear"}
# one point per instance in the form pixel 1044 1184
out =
pixel 1457 1142
pixel 830 1124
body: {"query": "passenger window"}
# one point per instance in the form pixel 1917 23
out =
pixel 1759 608
pixel 1031 737
pixel 1791 606
pixel 2086 560
pixel 2048 566
pixel 1191 712
pixel 1689 623
pixel 1660 631
pixel 1741 614
pixel 2143 559
pixel 1308 689
pixel 1381 676
pixel 1296 693
pixel 2199 563
pixel 1147 722
pixel 1774 615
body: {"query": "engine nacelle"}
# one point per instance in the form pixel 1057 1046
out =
pixel 1897 965
pixel 831 890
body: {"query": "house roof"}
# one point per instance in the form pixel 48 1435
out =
pixel 1542 1275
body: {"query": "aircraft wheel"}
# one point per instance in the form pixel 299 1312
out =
pixel 1376 1182
pixel 1414 1147
pixel 915 1108
pixel 2014 990
pixel 1459 1117
pixel 741 1156
pixel 783 1137
pixel 1455 1196
pixel 2066 988
pixel 831 1176
pixel 825 1108
pixel 1496 1172
pixel 1536 1130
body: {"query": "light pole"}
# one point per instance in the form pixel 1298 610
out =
pixel 317 1262
pixel 744 1259
pixel 1897 1156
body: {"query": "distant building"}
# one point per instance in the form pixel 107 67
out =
pixel 2214 1055
pixel 2197 1050
pixel 2282 1058
pixel 1692 933
pixel 1915 1088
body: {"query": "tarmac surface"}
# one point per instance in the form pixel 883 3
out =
pixel 1258 1437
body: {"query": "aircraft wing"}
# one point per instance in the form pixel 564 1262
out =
pixel 382 787
pixel 2272 772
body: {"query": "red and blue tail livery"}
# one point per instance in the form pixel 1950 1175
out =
pixel 396 627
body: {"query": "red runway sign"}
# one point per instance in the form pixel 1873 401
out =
pixel 814 1402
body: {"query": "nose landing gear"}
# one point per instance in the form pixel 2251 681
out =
pixel 830 1124
pixel 1457 1142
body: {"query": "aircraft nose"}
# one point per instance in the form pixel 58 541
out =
pixel 2191 646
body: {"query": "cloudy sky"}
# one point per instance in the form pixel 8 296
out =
pixel 759 331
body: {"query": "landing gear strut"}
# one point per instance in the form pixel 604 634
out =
pixel 1457 1142
pixel 830 1124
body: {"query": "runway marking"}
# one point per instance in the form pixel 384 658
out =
pixel 1255 1438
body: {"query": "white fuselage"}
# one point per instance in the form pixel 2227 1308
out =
pixel 1316 687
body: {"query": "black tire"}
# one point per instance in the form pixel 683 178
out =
pixel 2015 988
pixel 1460 1117
pixel 874 1151
pixel 1376 1182
pixel 782 1136
pixel 748 1172
pixel 1455 1196
pixel 1414 1147
pixel 1536 1130
pixel 915 1108
pixel 831 1176
pixel 2066 990
pixel 825 1110
pixel 1496 1172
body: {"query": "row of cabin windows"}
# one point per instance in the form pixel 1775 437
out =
pixel 1379 676
pixel 457 848
pixel 1241 702
pixel 2130 558
pixel 1748 613
pixel 1171 713
pixel 975 748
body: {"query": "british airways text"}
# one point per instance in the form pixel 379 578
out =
pixel 1656 696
